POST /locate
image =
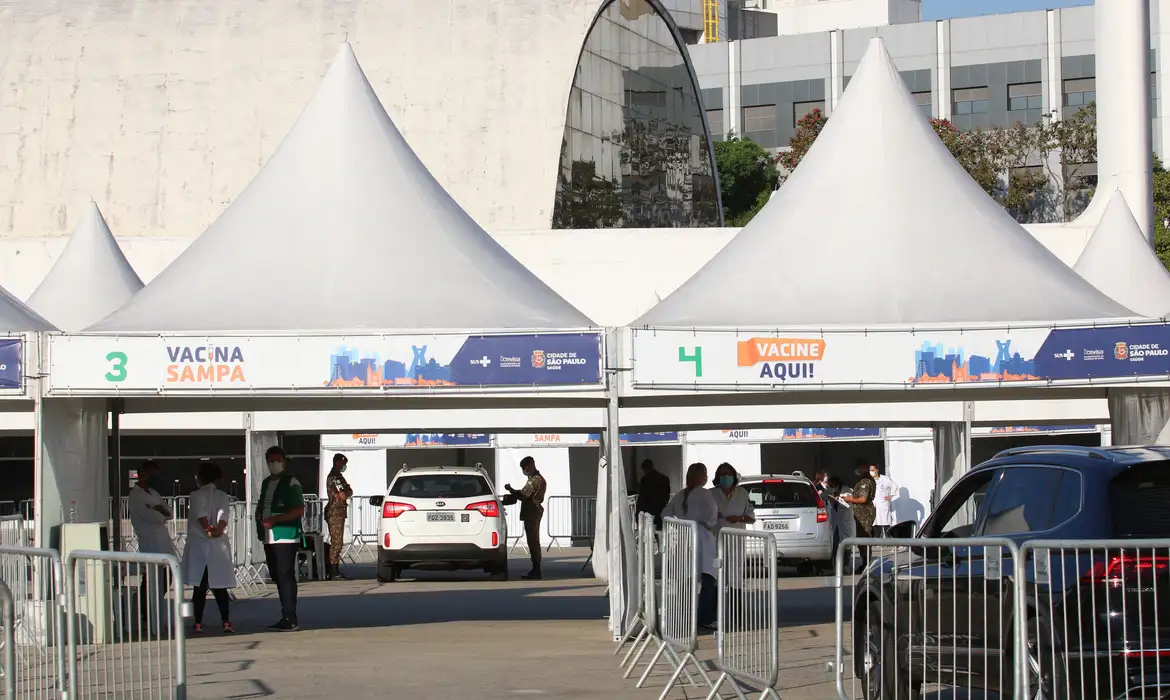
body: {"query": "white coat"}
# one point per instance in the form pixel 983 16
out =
pixel 886 494
pixel 700 508
pixel 738 503
pixel 211 553
pixel 150 526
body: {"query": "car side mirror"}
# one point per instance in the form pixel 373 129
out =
pixel 376 501
pixel 902 530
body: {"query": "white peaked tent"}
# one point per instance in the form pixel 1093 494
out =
pixel 344 228
pixel 15 317
pixel 880 225
pixel 90 279
pixel 1118 260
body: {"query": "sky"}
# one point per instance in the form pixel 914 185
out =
pixel 944 9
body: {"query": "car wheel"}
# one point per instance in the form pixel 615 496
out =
pixel 1044 658
pixel 389 574
pixel 877 666
pixel 499 572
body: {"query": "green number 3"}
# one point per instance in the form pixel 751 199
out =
pixel 117 371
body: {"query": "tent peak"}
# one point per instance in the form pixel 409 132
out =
pixel 1119 261
pixel 880 225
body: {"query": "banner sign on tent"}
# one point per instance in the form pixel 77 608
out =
pixel 541 439
pixel 638 438
pixel 447 440
pixel 11 356
pixel 1026 429
pixel 878 358
pixel 784 434
pixel 158 364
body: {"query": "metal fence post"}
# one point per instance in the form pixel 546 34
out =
pixel 7 642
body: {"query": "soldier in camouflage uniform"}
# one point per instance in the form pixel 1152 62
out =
pixel 531 499
pixel 335 513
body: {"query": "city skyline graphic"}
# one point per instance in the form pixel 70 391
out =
pixel 936 364
pixel 349 368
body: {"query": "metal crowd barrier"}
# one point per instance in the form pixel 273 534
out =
pixel 314 518
pixel 13 531
pixel 7 642
pixel 639 633
pixel 679 604
pixel 928 613
pixel 364 523
pixel 570 517
pixel 514 528
pixel 242 538
pixel 747 640
pixel 1094 620
pixel 125 625
pixel 35 581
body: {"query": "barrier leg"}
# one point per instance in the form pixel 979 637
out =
pixel 638 657
pixel 653 662
pixel 689 659
pixel 626 639
pixel 734 686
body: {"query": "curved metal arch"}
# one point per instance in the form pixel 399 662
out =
pixel 681 45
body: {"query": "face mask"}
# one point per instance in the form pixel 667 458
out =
pixel 275 468
pixel 726 482
pixel 342 470
pixel 874 474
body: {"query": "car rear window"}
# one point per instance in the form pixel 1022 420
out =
pixel 441 486
pixel 1139 496
pixel 781 494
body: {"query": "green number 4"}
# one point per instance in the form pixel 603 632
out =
pixel 697 358
pixel 117 371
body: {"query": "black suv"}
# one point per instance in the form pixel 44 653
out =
pixel 1098 621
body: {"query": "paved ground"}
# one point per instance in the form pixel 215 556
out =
pixel 457 634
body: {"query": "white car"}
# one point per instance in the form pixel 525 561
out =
pixel 790 508
pixel 442 518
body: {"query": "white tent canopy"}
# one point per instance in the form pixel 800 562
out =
pixel 880 225
pixel 1118 260
pixel 15 317
pixel 344 229
pixel 90 279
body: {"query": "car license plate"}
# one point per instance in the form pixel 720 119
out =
pixel 777 525
pixel 440 517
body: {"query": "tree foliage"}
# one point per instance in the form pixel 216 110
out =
pixel 747 178
pixel 1161 212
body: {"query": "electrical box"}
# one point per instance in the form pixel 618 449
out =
pixel 92 582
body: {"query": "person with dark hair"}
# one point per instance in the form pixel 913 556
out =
pixel 653 492
pixel 733 502
pixel 149 516
pixel 695 503
pixel 207 558
pixel 278 525
pixel 862 503
pixel 821 481
pixel 531 499
pixel 336 511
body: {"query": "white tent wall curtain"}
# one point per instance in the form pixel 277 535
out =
pixel 73 465
pixel 257 471
pixel 553 465
pixel 910 463
pixel 952 456
pixel 1140 416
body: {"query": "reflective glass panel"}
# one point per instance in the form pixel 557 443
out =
pixel 635 152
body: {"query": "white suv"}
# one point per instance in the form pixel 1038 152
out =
pixel 441 518
pixel 790 508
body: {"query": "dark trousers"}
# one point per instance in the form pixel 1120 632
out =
pixel 199 600
pixel 532 535
pixel 282 567
pixel 152 592
pixel 708 600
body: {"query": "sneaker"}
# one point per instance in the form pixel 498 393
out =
pixel 197 629
pixel 532 576
pixel 228 629
pixel 286 625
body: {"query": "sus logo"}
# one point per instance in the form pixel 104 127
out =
pixel 538 358
pixel 1121 351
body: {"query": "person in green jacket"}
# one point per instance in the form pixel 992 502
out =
pixel 278 525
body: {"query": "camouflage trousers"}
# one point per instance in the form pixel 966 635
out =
pixel 336 521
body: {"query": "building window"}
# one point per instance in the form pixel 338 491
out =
pixel 922 99
pixel 970 100
pixel 715 123
pixel 759 118
pixel 1022 96
pixel 1080 92
pixel 800 110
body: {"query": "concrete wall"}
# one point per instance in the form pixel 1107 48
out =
pixel 163 110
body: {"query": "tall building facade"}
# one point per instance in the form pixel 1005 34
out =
pixel 979 72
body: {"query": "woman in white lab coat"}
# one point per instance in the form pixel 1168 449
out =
pixel 207 560
pixel 695 503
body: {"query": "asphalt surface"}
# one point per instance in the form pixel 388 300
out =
pixel 451 634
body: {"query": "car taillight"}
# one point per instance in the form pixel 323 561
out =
pixel 773 481
pixel 386 541
pixel 391 509
pixel 1125 566
pixel 489 509
pixel 495 539
pixel 822 511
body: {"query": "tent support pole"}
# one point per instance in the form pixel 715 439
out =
pixel 117 407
